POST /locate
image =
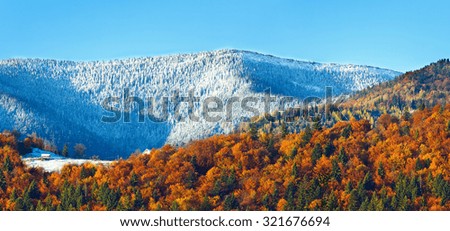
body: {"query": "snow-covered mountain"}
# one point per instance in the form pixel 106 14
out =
pixel 62 100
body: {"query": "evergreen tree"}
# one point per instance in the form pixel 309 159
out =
pixel 294 171
pixel 126 204
pixel 48 203
pixel 306 136
pixel 13 195
pixel 342 157
pixel 335 170
pixel 19 205
pixel 7 164
pixel 367 182
pixel 230 203
pixel 138 203
pixel 317 125
pixel 332 203
pixel 253 131
pixel 354 201
pixel 316 153
pixel 33 190
pixel 134 180
pixel 381 171
pixel 40 206
pixel 284 130
pixel 346 131
pixel 290 195
pixel 365 205
pixel 65 151
pixel 329 149
pixel 422 106
pixel 3 184
pixel 448 128
pixel 206 204
pixel 175 206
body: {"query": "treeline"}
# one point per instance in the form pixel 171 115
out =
pixel 400 163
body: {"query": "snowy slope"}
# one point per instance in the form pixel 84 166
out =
pixel 56 162
pixel 61 100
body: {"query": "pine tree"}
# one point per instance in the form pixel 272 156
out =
pixel 230 203
pixel 381 171
pixel 306 136
pixel 422 106
pixel 65 151
pixel 346 131
pixel 7 164
pixel 317 126
pixel 253 131
pixel 134 180
pixel 138 203
pixel 335 170
pixel 448 128
pixel 367 182
pixel 175 206
pixel 332 203
pixel 3 184
pixel 33 190
pixel 354 201
pixel 329 149
pixel 40 206
pixel 342 157
pixel 316 153
pixel 48 203
pixel 284 130
pixel 290 195
pixel 294 171
pixel 206 204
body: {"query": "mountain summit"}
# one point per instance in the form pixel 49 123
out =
pixel 62 100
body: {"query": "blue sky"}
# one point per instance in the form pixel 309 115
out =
pixel 401 35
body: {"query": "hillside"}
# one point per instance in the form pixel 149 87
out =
pixel 62 100
pixel 402 164
pixel 426 87
pixel 401 96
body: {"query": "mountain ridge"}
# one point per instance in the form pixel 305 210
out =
pixel 61 100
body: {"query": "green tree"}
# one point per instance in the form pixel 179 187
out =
pixel 329 149
pixel 65 151
pixel 306 136
pixel 138 203
pixel 7 164
pixel 316 153
pixel 346 131
pixel 3 183
pixel 367 182
pixel 33 190
pixel 335 170
pixel 317 126
pixel 448 128
pixel 294 171
pixel 332 203
pixel 175 206
pixel 134 180
pixel 230 203
pixel 342 157
pixel 284 130
pixel 206 204
pixel 381 171
pixel 253 131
